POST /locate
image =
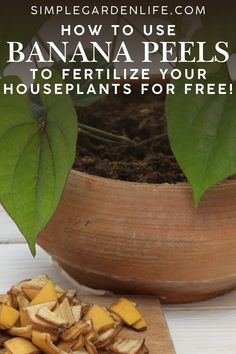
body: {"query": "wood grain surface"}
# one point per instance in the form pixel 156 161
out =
pixel 157 336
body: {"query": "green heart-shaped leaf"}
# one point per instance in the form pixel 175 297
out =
pixel 36 157
pixel 202 131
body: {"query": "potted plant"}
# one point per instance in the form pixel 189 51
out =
pixel 121 235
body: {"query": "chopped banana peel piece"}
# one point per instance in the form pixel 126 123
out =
pixel 72 345
pixel 140 325
pixel 20 346
pixel 5 299
pixel 24 319
pixel 92 335
pixel 65 346
pixel 14 302
pixel 65 312
pixel 3 338
pixel 32 314
pixel 106 328
pixel 30 292
pixel 24 332
pixel 79 343
pixel 54 334
pixel 46 294
pixel 37 316
pixel 81 351
pixel 81 328
pixel 16 288
pixel 127 346
pixel 8 316
pixel 106 338
pixel 127 311
pixel 35 308
pixel 44 342
pixel 85 308
pixel 71 294
pixel 118 321
pixel 38 282
pixel 22 301
pixel 77 312
pixel 45 314
pixel 99 316
pixel 90 347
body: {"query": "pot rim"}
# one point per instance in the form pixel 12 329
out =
pixel 161 186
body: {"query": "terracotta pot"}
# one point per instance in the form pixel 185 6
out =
pixel 145 238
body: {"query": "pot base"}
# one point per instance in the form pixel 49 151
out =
pixel 172 293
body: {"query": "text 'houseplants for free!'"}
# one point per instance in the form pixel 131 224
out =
pixel 146 238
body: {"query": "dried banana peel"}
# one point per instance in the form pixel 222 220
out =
pixel 100 317
pixel 8 316
pixel 127 311
pixel 124 346
pixel 140 325
pixel 38 317
pixel 64 310
pixel 20 346
pixel 46 294
pixel 24 332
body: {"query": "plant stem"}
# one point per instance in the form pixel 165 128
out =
pixel 113 138
pixel 152 138
pixel 97 137
pixel 103 134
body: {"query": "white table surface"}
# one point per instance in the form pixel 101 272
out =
pixel 201 328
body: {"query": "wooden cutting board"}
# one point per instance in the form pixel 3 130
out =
pixel 157 336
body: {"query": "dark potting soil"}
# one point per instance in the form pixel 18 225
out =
pixel 139 118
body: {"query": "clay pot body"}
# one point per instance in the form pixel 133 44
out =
pixel 145 238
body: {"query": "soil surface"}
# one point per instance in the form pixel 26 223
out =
pixel 139 118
